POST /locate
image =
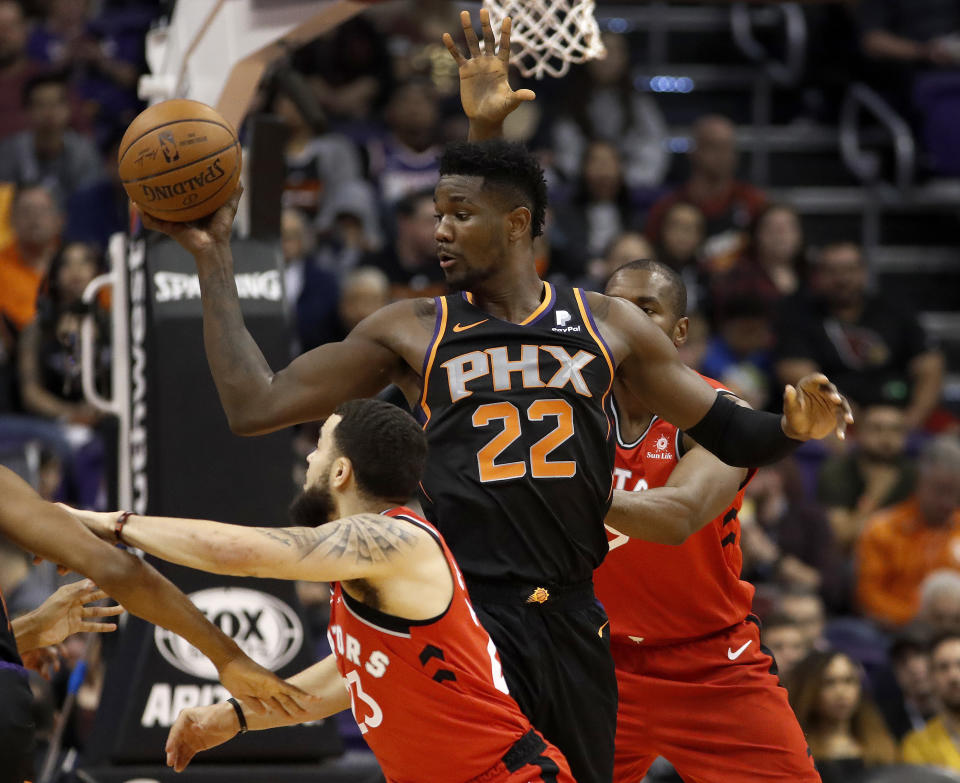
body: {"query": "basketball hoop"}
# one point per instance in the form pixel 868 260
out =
pixel 550 34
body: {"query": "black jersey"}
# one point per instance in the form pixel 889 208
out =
pixel 517 416
pixel 8 644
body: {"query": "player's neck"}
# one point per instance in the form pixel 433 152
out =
pixel 510 295
pixel 633 416
pixel 353 504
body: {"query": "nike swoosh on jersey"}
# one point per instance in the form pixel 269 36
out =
pixel 734 655
pixel 458 328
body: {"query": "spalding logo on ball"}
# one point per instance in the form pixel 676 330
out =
pixel 179 160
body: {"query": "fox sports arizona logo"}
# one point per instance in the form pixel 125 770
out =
pixel 263 626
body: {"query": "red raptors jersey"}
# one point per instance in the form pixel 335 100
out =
pixel 660 594
pixel 428 695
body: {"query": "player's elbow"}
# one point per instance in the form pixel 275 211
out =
pixel 116 571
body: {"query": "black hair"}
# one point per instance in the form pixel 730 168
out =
pixel 678 289
pixel 778 620
pixel 906 644
pixel 39 80
pixel 506 166
pixel 385 445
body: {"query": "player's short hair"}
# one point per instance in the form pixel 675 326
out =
pixel 385 445
pixel 776 620
pixel 678 289
pixel 505 166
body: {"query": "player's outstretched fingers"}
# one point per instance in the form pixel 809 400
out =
pixel 505 28
pixel 489 42
pixel 469 34
pixel 454 50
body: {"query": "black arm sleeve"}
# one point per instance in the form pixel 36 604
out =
pixel 740 436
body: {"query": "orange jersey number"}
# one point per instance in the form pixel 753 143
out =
pixel 540 466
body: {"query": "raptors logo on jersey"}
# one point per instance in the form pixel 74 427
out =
pixel 429 695
pixel 521 446
pixel 660 594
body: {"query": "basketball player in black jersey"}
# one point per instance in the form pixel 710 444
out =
pixel 53 534
pixel 512 379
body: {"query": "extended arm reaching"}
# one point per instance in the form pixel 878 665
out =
pixel 202 728
pixel 50 532
pixel 361 546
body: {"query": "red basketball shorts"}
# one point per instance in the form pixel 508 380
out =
pixel 711 707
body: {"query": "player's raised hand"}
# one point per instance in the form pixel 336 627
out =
pixel 260 689
pixel 484 89
pixel 199 236
pixel 814 408
pixel 199 728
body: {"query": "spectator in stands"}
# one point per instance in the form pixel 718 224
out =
pixel 406 158
pixel 786 641
pixel 628 246
pixel 49 153
pixel 901 545
pixel 866 343
pixel 940 602
pixel 600 102
pixel 599 212
pixel 728 204
pixel 805 607
pixel 786 540
pixel 680 246
pixel 15 68
pixel 876 474
pixel 310 289
pixel 843 726
pixel 769 266
pixel 410 260
pixel 936 743
pixel 23 587
pixel 37 223
pixel 913 702
pixel 738 354
pixel 363 291
pixel 104 57
pixel 319 166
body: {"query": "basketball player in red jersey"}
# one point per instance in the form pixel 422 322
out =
pixel 409 656
pixel 695 685
pixel 513 377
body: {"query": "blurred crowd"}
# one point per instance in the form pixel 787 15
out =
pixel 854 545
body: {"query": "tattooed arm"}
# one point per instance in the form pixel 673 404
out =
pixel 357 547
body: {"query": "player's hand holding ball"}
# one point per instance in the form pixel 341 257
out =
pixel 180 165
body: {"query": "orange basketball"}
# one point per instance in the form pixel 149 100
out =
pixel 179 160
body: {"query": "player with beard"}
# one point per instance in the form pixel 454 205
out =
pixel 695 685
pixel 409 655
pixel 512 378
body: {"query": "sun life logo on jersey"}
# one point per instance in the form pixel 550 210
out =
pixel 563 318
pixel 262 625
pixel 662 443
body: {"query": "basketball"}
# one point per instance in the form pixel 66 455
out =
pixel 179 160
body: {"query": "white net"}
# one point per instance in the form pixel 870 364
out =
pixel 549 35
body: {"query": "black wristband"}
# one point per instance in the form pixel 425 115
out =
pixel 740 436
pixel 240 716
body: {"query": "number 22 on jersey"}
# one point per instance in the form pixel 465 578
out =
pixel 539 464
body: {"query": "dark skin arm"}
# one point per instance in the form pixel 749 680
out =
pixel 51 533
pixel 384 348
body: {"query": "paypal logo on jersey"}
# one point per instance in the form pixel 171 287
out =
pixel 563 318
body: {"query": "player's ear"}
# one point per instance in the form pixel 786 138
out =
pixel 341 471
pixel 680 331
pixel 518 223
